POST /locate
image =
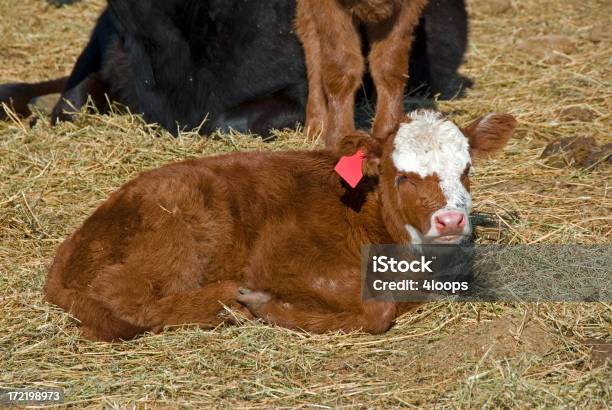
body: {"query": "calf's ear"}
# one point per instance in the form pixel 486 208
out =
pixel 370 147
pixel 489 134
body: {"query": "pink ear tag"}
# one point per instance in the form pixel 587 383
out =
pixel 349 168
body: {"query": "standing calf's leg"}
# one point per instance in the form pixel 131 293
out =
pixel 316 106
pixel 372 316
pixel 390 47
pixel 341 64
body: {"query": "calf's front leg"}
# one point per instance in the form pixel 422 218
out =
pixel 390 47
pixel 333 53
pixel 371 316
pixel 316 105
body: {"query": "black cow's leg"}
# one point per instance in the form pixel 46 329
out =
pixel 85 79
pixel 82 80
pixel 279 114
pixel 283 109
pixel 446 29
pixel 259 117
pixel 75 98
pixel 18 95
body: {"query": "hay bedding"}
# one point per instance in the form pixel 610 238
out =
pixel 445 355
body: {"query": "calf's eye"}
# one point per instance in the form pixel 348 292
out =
pixel 401 179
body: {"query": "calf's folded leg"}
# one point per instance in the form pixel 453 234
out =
pixel 143 304
pixel 203 307
pixel 371 316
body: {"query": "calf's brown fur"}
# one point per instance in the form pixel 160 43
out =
pixel 329 32
pixel 176 244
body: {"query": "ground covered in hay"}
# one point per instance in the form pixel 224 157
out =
pixel 547 62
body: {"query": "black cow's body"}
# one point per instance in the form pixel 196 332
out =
pixel 235 63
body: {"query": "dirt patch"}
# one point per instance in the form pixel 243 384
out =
pixel 601 351
pixel 582 152
pixel 600 33
pixel 499 339
pixel 577 113
pixel 549 48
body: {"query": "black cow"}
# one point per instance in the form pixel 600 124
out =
pixel 234 63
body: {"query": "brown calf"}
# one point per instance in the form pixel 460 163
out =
pixel 275 235
pixel 329 32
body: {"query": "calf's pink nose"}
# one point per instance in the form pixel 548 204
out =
pixel 450 222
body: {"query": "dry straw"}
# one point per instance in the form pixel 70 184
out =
pixel 444 355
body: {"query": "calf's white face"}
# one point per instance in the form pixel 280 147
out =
pixel 430 146
pixel 429 159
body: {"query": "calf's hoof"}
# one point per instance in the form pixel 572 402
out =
pixel 235 314
pixel 251 299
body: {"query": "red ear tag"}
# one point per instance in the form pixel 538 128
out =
pixel 350 168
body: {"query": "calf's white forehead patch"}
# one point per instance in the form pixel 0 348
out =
pixel 430 144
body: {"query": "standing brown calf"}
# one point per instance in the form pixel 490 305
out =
pixel 329 31
pixel 174 245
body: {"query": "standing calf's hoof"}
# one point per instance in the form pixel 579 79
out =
pixel 252 300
